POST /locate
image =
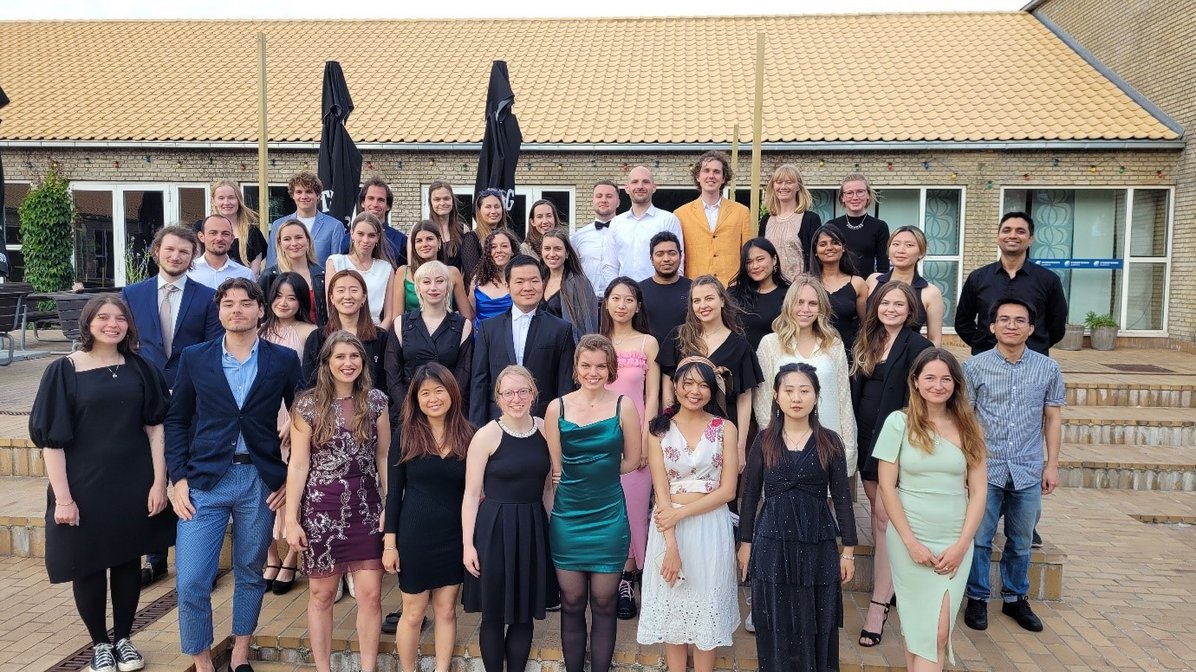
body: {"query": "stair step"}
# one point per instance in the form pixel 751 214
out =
pixel 1103 390
pixel 1129 426
pixel 1122 467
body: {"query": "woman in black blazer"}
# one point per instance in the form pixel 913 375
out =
pixel 295 255
pixel 884 350
pixel 788 222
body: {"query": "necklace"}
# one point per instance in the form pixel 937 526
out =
pixel 785 219
pixel 799 443
pixel 111 368
pixel 855 227
pixel 518 435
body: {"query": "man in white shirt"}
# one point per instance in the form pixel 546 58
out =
pixel 627 249
pixel 590 240
pixel 214 266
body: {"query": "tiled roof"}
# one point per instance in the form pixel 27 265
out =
pixel 884 77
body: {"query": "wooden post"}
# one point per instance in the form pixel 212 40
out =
pixel 757 124
pixel 263 184
pixel 734 159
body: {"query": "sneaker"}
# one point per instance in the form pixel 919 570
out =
pixel 128 658
pixel 1035 540
pixel 975 615
pixel 748 624
pixel 627 609
pixel 1019 610
pixel 102 659
pixel 340 590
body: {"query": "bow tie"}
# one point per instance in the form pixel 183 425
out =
pixel 600 225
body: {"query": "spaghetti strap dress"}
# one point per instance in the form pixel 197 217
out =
pixel 488 307
pixel 637 485
pixel 588 530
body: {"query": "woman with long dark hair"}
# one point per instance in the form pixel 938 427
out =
pixel 489 215
pixel 543 217
pixel 935 449
pixel 758 288
pixel 907 247
pixel 625 323
pixel 568 293
pixel 443 212
pixel 422 540
pixel 336 484
pixel 349 310
pixel 426 246
pixel 488 286
pixel 689 579
pixel 884 351
pixel 367 259
pixel 797 598
pixel 98 419
pixel 835 268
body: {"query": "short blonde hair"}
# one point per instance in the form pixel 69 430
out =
pixel 431 268
pixel 516 370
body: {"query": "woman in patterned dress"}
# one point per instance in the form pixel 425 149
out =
pixel 340 436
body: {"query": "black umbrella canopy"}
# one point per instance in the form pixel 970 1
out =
pixel 500 145
pixel 340 161
pixel 3 231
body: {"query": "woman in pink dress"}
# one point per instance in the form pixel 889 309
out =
pixel 624 321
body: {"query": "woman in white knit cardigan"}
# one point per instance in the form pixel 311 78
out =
pixel 802 333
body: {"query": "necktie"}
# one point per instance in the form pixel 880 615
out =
pixel 164 317
pixel 600 225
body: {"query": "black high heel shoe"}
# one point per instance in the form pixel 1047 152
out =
pixel 270 582
pixel 873 638
pixel 281 587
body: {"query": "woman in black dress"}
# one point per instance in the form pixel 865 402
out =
pixel 98 418
pixel 568 293
pixel 712 330
pixel 443 212
pixel 758 288
pixel 790 550
pixel 907 247
pixel 884 352
pixel 835 268
pixel 510 576
pixel 867 237
pixel 422 540
pixel 349 309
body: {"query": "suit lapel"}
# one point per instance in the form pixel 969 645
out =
pixel 724 211
pixel 897 351
pixel 508 336
pixel 184 304
pixel 264 361
pixel 532 331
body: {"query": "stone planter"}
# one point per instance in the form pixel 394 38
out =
pixel 1104 338
pixel 1073 339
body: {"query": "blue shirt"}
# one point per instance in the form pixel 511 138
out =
pixel 1010 398
pixel 240 376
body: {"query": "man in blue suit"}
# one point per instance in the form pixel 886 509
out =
pixel 222 454
pixel 377 199
pixel 327 232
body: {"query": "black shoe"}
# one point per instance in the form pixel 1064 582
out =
pixel 627 608
pixel 1035 540
pixel 102 659
pixel 280 587
pixel 151 571
pixel 390 624
pixel 128 658
pixel 975 615
pixel 1019 611
pixel 869 639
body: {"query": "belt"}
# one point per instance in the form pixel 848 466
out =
pixel 242 458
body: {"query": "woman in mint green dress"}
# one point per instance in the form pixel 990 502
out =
pixel 933 481
pixel 593 437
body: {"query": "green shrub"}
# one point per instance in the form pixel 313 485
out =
pixel 1093 321
pixel 48 234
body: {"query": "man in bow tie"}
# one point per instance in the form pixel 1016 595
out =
pixel 590 240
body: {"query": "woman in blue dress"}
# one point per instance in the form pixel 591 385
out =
pixel 488 286
pixel 593 437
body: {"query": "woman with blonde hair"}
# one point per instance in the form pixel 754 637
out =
pixel 789 223
pixel 866 236
pixel 934 482
pixel 295 255
pixel 907 247
pixel 249 245
pixel 366 258
pixel 803 333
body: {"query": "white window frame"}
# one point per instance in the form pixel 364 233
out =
pixel 1127 259
pixel 7 246
pixel 532 194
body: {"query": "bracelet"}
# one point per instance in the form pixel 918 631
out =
pixel 848 557
pixel 390 548
pixel 70 503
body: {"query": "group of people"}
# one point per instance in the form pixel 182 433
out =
pixel 521 424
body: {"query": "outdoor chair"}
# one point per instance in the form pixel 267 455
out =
pixel 9 304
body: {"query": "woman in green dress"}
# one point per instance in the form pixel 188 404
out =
pixel 932 479
pixel 593 437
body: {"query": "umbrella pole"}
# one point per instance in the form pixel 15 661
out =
pixel 263 188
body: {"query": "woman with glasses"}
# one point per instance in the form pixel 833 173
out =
pixel 907 247
pixel 866 236
pixel 489 214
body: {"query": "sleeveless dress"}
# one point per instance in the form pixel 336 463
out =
pixel 932 493
pixel 511 535
pixel 588 529
pixel 342 501
pixel 423 506
pixel 488 307
pixel 637 485
pixel 702 610
pixel 844 316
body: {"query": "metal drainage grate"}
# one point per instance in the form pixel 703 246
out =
pixel 1138 368
pixel 15 412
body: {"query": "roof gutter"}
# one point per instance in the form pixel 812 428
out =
pixel 813 146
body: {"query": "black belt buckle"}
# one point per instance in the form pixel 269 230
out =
pixel 241 458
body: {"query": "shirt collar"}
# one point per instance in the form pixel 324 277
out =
pixel 178 284
pixel 516 313
pixel 715 206
pixel 650 212
pixel 226 353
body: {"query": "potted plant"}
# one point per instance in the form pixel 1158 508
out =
pixel 1104 330
pixel 1073 338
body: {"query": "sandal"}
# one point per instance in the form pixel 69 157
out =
pixel 270 581
pixel 873 638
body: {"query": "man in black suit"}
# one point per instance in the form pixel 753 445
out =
pixel 228 390
pixel 526 336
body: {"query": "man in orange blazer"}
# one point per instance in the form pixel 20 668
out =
pixel 715 228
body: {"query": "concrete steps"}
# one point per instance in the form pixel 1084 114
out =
pixel 1129 426
pixel 1170 468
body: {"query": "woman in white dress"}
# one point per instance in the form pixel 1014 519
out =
pixel 803 333
pixel 365 256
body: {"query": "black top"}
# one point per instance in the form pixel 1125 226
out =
pixel 553 305
pixel 845 316
pixel 1032 283
pixel 666 305
pixel 868 245
pixel 920 283
pixel 759 310
pixel 375 350
pixel 417 347
pixel 794 492
pixel 735 354
pixel 890 393
pixel 470 254
pixel 256 245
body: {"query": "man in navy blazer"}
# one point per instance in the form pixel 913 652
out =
pixel 193 311
pixel 327 232
pixel 222 454
pixel 544 344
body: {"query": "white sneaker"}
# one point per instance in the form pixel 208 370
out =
pixel 128 658
pixel 349 583
pixel 747 622
pixel 102 659
pixel 340 590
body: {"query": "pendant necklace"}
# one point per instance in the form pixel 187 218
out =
pixel 855 227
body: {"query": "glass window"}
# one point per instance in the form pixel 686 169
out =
pixel 14 193
pixel 1148 228
pixel 1146 293
pixel 281 203
pixel 193 204
pixel 94 248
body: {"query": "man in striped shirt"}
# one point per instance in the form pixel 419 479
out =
pixel 1018 395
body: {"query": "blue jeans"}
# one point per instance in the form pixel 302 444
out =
pixel 241 495
pixel 1021 509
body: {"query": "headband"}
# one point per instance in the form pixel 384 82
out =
pixel 720 375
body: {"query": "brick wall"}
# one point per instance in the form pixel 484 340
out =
pixel 1149 44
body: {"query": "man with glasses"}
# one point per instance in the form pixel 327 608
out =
pixel 524 335
pixel 1018 395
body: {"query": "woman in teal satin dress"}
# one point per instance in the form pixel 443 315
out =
pixel 593 437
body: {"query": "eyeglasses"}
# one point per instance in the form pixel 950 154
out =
pixel 491 192
pixel 522 393
pixel 1015 321
pixel 856 194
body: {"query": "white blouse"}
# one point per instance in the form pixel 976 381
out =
pixel 376 280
